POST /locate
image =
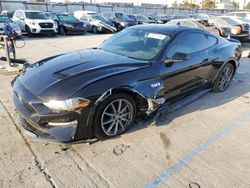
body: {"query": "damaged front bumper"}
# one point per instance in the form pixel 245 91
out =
pixel 42 124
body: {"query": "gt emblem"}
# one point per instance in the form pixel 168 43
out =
pixel 156 84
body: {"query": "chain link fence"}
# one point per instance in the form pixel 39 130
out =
pixel 71 7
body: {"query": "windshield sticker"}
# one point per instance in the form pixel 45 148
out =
pixel 156 36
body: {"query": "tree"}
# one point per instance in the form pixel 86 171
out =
pixel 208 4
pixel 235 5
pixel 248 6
pixel 174 4
pixel 186 4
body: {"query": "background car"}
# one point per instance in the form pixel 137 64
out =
pixel 241 28
pixel 6 20
pixel 68 24
pixel 224 27
pixel 120 19
pixel 195 24
pixel 99 24
pixel 34 22
pixel 242 14
pixel 79 14
pixel 141 19
pixel 99 92
pixel 8 13
pixel 158 18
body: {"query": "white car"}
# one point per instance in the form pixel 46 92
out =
pixel 6 20
pixel 240 14
pixel 34 22
pixel 79 14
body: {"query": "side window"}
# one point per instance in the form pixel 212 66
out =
pixel 22 14
pixel 211 41
pixel 55 17
pixel 84 17
pixel 189 43
pixel 18 14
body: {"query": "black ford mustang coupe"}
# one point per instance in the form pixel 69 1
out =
pixel 97 93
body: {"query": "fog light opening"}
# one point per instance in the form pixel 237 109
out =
pixel 63 123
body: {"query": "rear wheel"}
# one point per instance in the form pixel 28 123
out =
pixel 114 116
pixel 224 78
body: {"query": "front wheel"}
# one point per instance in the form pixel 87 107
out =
pixel 62 31
pixel 94 30
pixel 224 78
pixel 28 31
pixel 114 116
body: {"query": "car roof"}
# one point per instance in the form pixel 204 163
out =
pixel 235 18
pixel 239 12
pixel 32 11
pixel 164 28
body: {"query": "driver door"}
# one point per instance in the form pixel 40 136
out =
pixel 187 75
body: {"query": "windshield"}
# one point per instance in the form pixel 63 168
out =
pixel 4 19
pixel 156 16
pixel 100 18
pixel 244 19
pixel 230 21
pixel 122 16
pixel 137 44
pixel 218 22
pixel 141 17
pixel 67 18
pixel 36 15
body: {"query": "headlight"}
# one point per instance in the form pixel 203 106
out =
pixel 68 25
pixel 33 23
pixel 233 31
pixel 68 105
pixel 124 24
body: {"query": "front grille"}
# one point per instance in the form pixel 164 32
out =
pixel 245 27
pixel 46 25
pixel 78 26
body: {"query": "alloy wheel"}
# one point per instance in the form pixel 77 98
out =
pixel 116 117
pixel 225 77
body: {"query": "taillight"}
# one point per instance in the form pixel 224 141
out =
pixel 236 30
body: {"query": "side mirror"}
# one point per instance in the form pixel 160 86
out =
pixel 22 18
pixel 177 57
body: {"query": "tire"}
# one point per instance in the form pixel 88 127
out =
pixel 224 78
pixel 62 31
pixel 53 34
pixel 119 28
pixel 109 123
pixel 94 30
pixel 27 29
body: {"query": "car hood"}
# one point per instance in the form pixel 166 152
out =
pixel 40 20
pixel 62 76
pixel 74 23
pixel 12 24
